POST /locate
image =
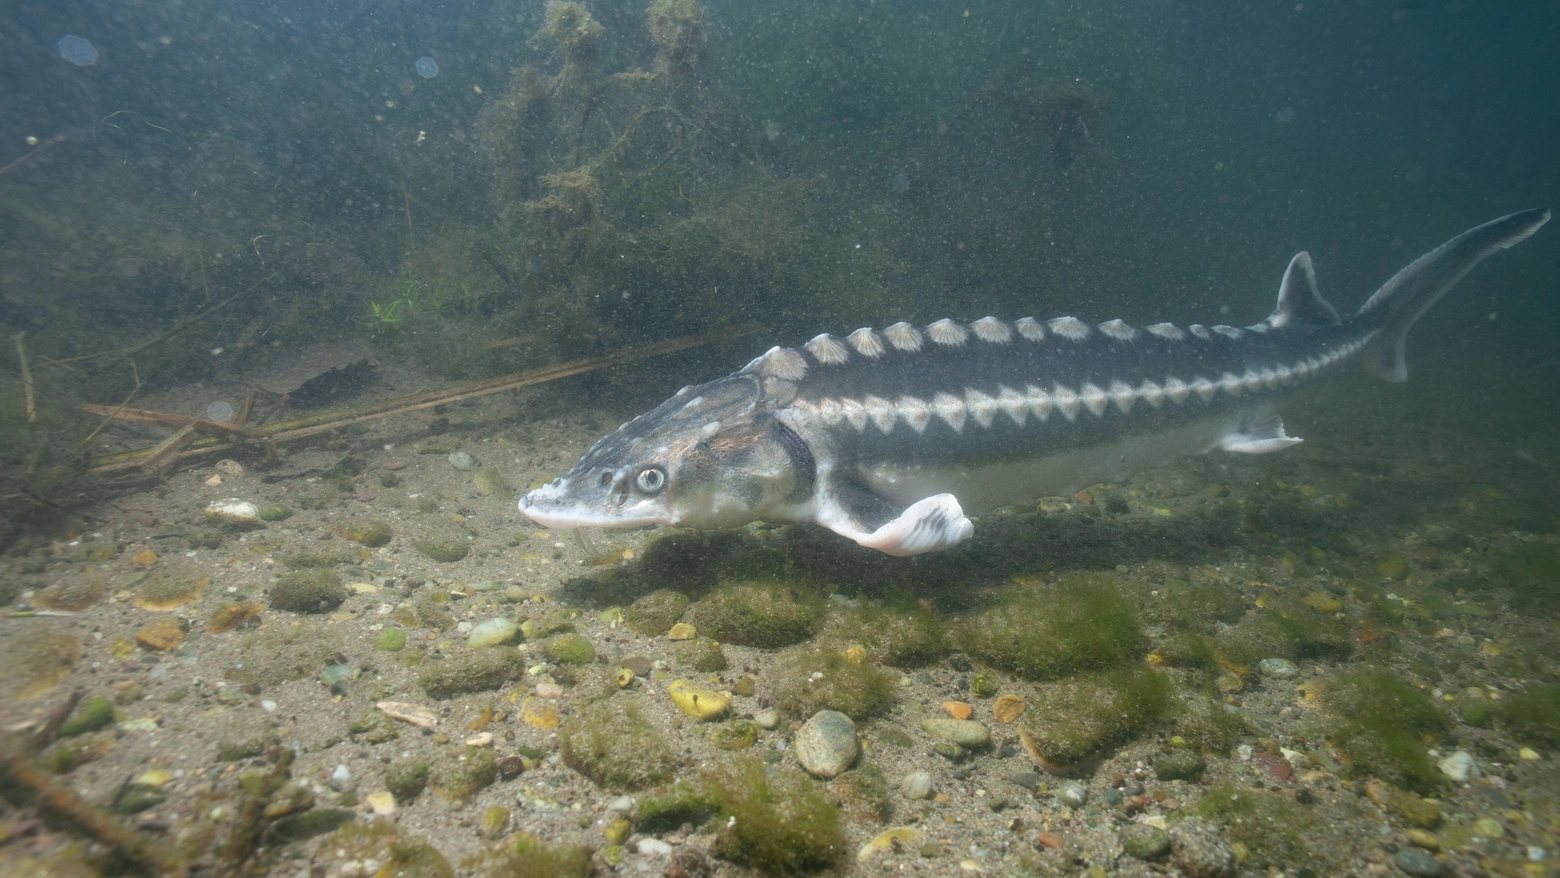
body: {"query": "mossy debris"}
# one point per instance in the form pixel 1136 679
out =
pixel 1076 719
pixel 308 591
pixel 1042 633
pixel 476 671
pixel 807 679
pixel 1385 726
pixel 654 614
pixel 612 743
pixel 762 614
pixel 779 823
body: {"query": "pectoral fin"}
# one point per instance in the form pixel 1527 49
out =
pixel 1258 437
pixel 929 525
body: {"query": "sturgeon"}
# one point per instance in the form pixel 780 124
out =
pixel 893 437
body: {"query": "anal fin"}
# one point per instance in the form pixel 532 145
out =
pixel 1258 437
pixel 928 525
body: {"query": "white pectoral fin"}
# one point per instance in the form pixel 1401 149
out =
pixel 851 510
pixel 1258 437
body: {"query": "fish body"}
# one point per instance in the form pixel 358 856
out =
pixel 892 437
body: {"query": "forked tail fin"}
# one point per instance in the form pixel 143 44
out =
pixel 1410 293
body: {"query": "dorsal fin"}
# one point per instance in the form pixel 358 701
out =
pixel 1299 301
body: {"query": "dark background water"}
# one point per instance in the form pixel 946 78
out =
pixel 281 166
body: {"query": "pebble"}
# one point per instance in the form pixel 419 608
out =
pixel 494 632
pixel 916 785
pixel 826 744
pixel 1488 827
pixel 462 461
pixel 1458 766
pixel 1199 849
pixel 767 719
pixel 237 512
pixel 415 714
pixel 1073 794
pixel 1278 668
pixel 621 804
pixel 1144 842
pixel 967 733
pixel 1029 780
pixel 699 702
pixel 1414 861
pixel 654 847
pixel 960 710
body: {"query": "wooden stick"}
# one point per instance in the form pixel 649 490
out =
pixel 333 420
pixel 144 416
pixel 27 382
pixel 166 451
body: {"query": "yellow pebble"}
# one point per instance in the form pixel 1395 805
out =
pixel 1528 753
pixel 698 702
pixel 682 631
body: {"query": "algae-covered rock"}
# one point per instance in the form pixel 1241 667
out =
pixel 92 713
pixel 807 679
pixel 1271 825
pixel 691 803
pixel 372 534
pixel 275 512
pixel 1382 723
pixel 492 632
pixel 762 614
pixel 1532 716
pixel 902 633
pixel 405 778
pixel 459 775
pixel 442 551
pixel 308 591
pixel 1041 633
pixel 1073 720
pixel 569 649
pixel 655 613
pixel 307 824
pixel 479 671
pixel 737 735
pixel 781 823
pixel 702 654
pixel 612 743
pixel 390 640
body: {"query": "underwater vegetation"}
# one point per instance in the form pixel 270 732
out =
pixel 1384 724
pixel 1081 623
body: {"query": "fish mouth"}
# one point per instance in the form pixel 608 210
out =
pixel 553 516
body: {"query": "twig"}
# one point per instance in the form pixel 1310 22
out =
pixel 27 382
pixel 17 162
pixel 334 420
pixel 148 856
pixel 136 373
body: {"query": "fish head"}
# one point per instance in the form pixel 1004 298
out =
pixel 712 456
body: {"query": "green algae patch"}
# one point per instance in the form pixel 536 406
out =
pixel 1079 718
pixel 380 841
pixel 308 591
pixel 459 775
pixel 807 679
pixel 1534 715
pixel 778 824
pixel 524 855
pixel 665 811
pixel 93 713
pixel 1287 627
pixel 478 671
pixel 738 735
pixel 275 512
pixel 1040 633
pixel 654 614
pixel 761 614
pixel 390 640
pixel 901 633
pixel 1385 726
pixel 612 743
pixel 1533 572
pixel 1271 825
pixel 307 824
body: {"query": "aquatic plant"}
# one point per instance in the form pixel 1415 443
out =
pixel 612 743
pixel 780 824
pixel 1042 633
pixel 1384 724
pixel 677 29
pixel 381 319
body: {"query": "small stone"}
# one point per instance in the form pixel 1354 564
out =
pixel 144 559
pixel 1527 754
pixel 1423 839
pixel 1323 602
pixel 624 678
pixel 390 640
pixel 1413 861
pixel 1421 812
pixel 958 709
pixel 162 635
pixel 381 802
pixel 495 821
pixel 1144 842
pixel 1278 668
pixel 1392 566
pixel 1488 827
pixel 826 744
pixel 767 719
pixel 1073 794
pixel 1458 766
pixel 1229 683
pixel 493 632
pixel 983 685
pixel 916 785
pixel 235 513
pixel 1008 708
pixel 639 664
pixel 745 686
pixel 682 631
pixel 539 713
pixel 967 733
pixel 1200 850
pixel 950 751
pixel 462 461
pixel 570 649
pixel 480 739
pixel 739 735
pixel 549 689
pixel 897 839
pixel 617 831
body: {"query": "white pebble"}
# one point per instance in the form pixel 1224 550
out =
pixel 267 705
pixel 342 774
pixel 655 847
pixel 1458 766
pixel 916 785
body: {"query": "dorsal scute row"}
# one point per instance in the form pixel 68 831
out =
pixel 792 364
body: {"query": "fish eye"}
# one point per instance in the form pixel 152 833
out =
pixel 651 480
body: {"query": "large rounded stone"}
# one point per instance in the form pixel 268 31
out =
pixel 826 744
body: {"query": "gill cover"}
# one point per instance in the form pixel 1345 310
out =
pixel 711 456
